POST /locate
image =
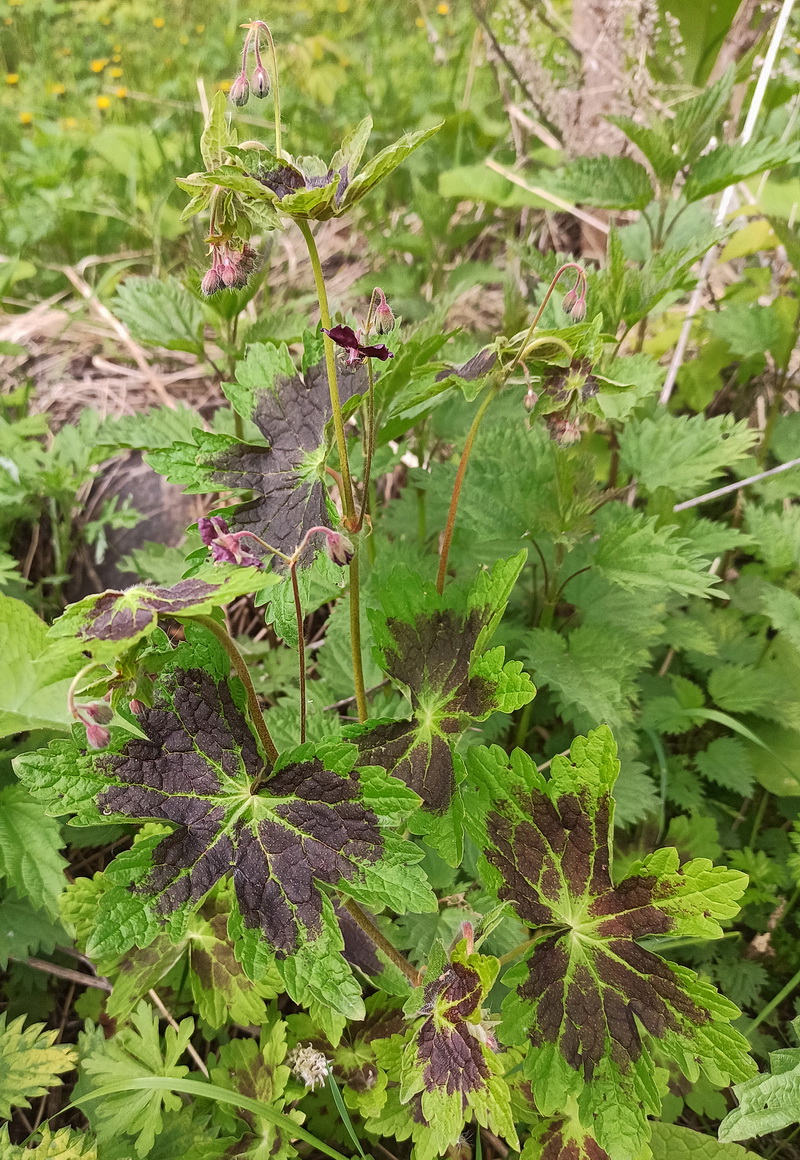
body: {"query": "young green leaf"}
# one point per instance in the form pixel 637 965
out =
pixel 767 1102
pixel 606 182
pixel 136 1051
pixel 450 1059
pixel 589 998
pixel 31 1063
pixel 728 164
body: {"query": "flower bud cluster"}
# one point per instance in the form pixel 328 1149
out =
pixel 95 716
pixel 230 268
pixel 259 83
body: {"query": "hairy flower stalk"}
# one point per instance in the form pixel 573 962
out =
pixel 577 302
pixel 263 84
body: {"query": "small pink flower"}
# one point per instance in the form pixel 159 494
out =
pixel 226 546
pixel 339 548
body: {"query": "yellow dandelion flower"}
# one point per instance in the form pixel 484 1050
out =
pixel 342 5
pixel 158 22
pixel 98 65
pixel 116 58
pixel 12 78
pixel 14 3
pixel 25 118
pixel 57 90
pixel 121 92
pixel 199 29
pixel 184 39
pixel 420 22
pixel 116 73
pixel 69 123
pixel 103 102
pixel 442 9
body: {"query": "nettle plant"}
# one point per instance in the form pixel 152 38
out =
pixel 275 856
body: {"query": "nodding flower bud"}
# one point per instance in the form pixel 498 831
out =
pixel 384 319
pixel 574 304
pixel 95 716
pixel 97 736
pixel 339 548
pixel 240 90
pixel 135 706
pixel 261 82
pixel 212 282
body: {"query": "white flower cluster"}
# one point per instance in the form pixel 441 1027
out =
pixel 308 1065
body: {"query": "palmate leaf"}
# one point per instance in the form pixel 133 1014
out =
pixel 257 1070
pixel 110 622
pixel 449 1061
pixel 434 646
pixel 311 820
pixel 133 1052
pixel 30 1063
pixel 590 1000
pixel 285 473
pixel 306 187
pixel 61 1145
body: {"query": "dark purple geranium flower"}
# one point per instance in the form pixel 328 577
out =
pixel 356 351
pixel 226 546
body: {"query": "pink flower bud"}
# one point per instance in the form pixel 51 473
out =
pixel 211 282
pixel 575 305
pixel 339 548
pixel 228 273
pixel 97 736
pixel 135 706
pixel 384 319
pixel 261 82
pixel 240 90
pixel 98 711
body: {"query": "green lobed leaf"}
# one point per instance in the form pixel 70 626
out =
pixel 136 1052
pixel 31 1063
pixel 681 452
pixel 728 164
pixel 767 1102
pixel 384 163
pixel 65 1144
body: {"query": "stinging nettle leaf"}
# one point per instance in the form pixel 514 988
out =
pixel 161 313
pixel 589 999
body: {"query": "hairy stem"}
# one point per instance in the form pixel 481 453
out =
pixel 355 636
pixel 580 280
pixel 459 481
pixel 370 445
pixel 370 929
pixel 330 364
pixel 301 649
pixel 238 662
